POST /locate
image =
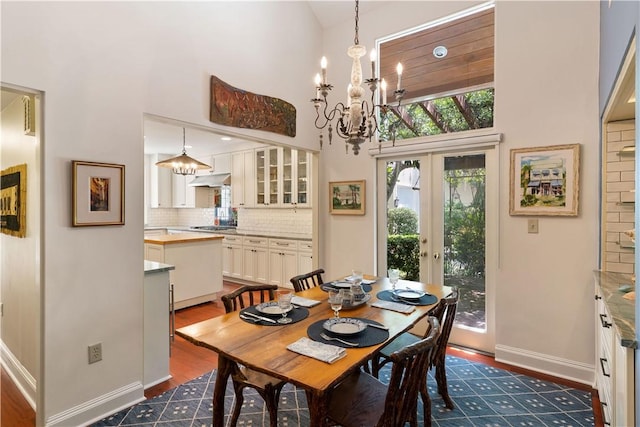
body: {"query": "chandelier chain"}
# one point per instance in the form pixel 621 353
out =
pixel 356 40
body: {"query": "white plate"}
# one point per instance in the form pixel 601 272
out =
pixel 408 293
pixel 344 326
pixel 271 307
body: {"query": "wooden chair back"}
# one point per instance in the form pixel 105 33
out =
pixel 247 296
pixel 307 280
pixel 445 312
pixel 410 366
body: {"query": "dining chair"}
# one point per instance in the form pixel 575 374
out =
pixel 445 312
pixel 307 280
pixel 363 400
pixel 267 386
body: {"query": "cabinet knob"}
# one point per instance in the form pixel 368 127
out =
pixel 598 297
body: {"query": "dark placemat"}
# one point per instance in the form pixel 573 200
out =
pixel 426 299
pixel 329 285
pixel 370 336
pixel 296 314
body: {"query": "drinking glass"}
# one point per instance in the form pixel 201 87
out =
pixel 335 300
pixel 356 277
pixel 394 276
pixel 284 302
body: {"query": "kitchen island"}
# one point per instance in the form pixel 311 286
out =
pixel 197 258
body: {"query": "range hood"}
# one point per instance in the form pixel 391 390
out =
pixel 211 180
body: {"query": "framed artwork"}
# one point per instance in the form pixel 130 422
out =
pixel 98 194
pixel 347 197
pixel 13 201
pixel 544 180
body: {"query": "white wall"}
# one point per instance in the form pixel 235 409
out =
pixel 20 266
pixel 546 80
pixel 102 66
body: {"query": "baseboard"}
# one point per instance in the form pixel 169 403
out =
pixel 562 368
pixel 96 409
pixel 24 381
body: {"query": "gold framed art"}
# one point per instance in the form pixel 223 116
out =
pixel 98 194
pixel 544 181
pixel 13 201
pixel 347 197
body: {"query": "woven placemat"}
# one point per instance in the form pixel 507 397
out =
pixel 426 299
pixel 366 338
pixel 296 314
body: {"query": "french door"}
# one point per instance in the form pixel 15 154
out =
pixel 439 225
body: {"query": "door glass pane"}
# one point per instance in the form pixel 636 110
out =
pixel 302 177
pixel 260 173
pixel 287 168
pixel 464 236
pixel 403 217
pixel 273 176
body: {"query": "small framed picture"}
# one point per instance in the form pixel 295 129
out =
pixel 98 194
pixel 544 180
pixel 347 197
pixel 13 201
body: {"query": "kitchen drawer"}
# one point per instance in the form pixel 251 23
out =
pixel 305 246
pixel 237 240
pixel 255 241
pixel 283 244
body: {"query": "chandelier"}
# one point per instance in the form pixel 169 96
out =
pixel 355 121
pixel 183 164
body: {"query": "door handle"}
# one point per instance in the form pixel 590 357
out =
pixel 423 254
pixel 436 256
pixel 423 240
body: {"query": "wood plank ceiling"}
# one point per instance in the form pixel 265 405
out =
pixel 469 62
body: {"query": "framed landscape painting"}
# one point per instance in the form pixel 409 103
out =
pixel 347 197
pixel 98 194
pixel 544 180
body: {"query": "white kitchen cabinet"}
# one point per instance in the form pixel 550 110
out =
pixel 232 257
pixel 156 323
pixel 268 177
pixel 302 181
pixel 255 259
pixel 614 368
pixel 197 258
pixel 160 184
pixel 305 257
pixel 243 193
pixel 283 261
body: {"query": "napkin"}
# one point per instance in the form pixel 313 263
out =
pixel 304 302
pixel 395 306
pixel 325 352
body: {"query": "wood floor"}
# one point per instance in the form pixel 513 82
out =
pixel 189 361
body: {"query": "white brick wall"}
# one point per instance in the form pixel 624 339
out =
pixel 618 251
pixel 278 222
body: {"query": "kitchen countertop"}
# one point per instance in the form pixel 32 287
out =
pixel 621 309
pixel 235 232
pixel 156 267
pixel 168 239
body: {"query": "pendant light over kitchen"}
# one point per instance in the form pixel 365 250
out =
pixel 183 164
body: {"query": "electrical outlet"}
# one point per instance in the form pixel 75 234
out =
pixel 95 353
pixel 532 226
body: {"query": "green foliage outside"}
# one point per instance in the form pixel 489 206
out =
pixel 403 248
pixel 464 230
pixel 403 252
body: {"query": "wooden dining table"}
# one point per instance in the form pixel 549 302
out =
pixel 264 347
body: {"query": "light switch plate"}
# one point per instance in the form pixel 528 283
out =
pixel 532 226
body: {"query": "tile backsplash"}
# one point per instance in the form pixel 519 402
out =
pixel 277 222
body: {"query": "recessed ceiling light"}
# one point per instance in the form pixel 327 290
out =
pixel 226 138
pixel 440 52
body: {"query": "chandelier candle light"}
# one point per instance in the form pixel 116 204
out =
pixel 183 164
pixel 357 120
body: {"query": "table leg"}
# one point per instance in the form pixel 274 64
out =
pixel 225 366
pixel 317 409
